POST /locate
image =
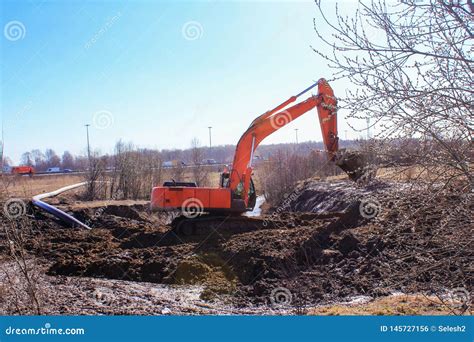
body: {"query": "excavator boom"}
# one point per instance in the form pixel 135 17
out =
pixel 236 192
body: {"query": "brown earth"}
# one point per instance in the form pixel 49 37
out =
pixel 397 304
pixel 303 259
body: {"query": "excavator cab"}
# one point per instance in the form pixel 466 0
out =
pixel 225 178
pixel 252 196
pixel 238 194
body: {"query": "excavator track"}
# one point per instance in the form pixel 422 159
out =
pixel 223 225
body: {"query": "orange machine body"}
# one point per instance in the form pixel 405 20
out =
pixel 236 187
pixel 216 199
pixel 22 170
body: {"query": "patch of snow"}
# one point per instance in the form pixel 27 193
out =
pixel 257 211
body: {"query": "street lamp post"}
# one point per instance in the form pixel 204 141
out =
pixel 210 140
pixel 210 137
pixel 88 145
pixel 296 135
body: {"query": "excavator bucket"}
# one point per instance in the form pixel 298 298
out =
pixel 357 165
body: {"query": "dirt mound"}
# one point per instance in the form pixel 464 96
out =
pixel 335 197
pixel 405 242
pixel 208 270
pixel 129 212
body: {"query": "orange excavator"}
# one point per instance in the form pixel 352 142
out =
pixel 236 191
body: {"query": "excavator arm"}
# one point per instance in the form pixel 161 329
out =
pixel 273 120
pixel 232 196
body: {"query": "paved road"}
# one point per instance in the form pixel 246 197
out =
pixel 43 174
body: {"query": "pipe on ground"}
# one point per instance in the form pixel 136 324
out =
pixel 37 202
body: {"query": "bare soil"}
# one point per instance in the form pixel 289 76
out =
pixel 320 250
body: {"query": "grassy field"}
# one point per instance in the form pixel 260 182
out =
pixel 24 187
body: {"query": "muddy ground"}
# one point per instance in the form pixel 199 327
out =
pixel 327 243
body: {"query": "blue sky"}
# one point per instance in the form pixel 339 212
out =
pixel 155 73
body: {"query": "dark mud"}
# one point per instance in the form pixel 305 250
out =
pixel 320 255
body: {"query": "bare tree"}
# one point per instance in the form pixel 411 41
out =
pixel 20 270
pixel 96 182
pixel 67 160
pixel 279 176
pixel 135 171
pixel 178 171
pixel 26 159
pixel 52 159
pixel 39 159
pixel 200 172
pixel 411 65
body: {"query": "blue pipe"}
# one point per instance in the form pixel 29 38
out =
pixel 59 214
pixel 37 202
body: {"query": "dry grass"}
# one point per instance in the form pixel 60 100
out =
pixel 402 174
pixel 188 176
pixel 392 305
pixel 418 173
pixel 29 186
pixel 24 187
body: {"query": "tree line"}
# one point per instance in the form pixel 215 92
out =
pixel 42 160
